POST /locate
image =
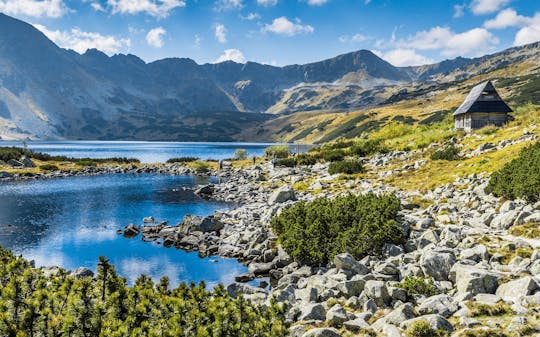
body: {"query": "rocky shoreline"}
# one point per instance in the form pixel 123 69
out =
pixel 170 169
pixel 460 240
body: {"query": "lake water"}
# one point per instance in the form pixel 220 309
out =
pixel 70 222
pixel 146 152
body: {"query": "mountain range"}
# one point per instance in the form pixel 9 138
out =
pixel 47 92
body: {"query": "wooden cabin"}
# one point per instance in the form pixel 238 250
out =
pixel 483 106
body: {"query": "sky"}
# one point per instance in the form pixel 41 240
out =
pixel 282 32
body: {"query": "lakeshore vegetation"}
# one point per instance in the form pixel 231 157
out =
pixel 35 304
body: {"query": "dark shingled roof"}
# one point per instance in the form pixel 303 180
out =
pixel 483 98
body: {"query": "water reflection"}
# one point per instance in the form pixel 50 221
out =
pixel 70 222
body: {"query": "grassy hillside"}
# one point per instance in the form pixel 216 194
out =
pixel 414 105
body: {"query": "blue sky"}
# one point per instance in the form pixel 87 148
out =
pixel 281 32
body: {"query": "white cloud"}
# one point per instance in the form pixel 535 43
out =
pixel 224 5
pixel 221 33
pixel 480 7
pixel 154 38
pixel 156 8
pixel 474 42
pixel 356 38
pixel 507 18
pixel 317 2
pixel 97 7
pixel 34 8
pixel 197 41
pixel 283 26
pixel 251 16
pixel 402 57
pixel 267 3
pixel 528 34
pixel 459 11
pixel 231 55
pixel 81 41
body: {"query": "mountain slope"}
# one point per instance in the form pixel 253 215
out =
pixel 49 92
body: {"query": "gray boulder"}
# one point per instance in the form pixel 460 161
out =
pixel 312 311
pixel 281 195
pixel 27 162
pixel 437 322
pixel 472 280
pixel 236 289
pixel 322 332
pixel 377 291
pixel 82 272
pixel 437 264
pixel 441 304
pixel 347 263
pixel 336 316
pixel 356 325
pixel 517 288
pixel 193 223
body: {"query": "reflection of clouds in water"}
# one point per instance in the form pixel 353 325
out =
pixel 44 258
pixel 155 268
pixel 94 234
pixel 226 274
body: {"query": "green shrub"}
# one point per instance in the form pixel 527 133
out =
pixel 448 153
pixel 240 154
pixel 288 162
pixel 420 328
pixel 280 151
pixel 7 153
pixel 519 178
pixel 37 304
pixel 182 160
pixel 345 166
pixel 306 159
pixel 414 286
pixel 485 309
pixel 340 144
pixel 314 232
pixel 366 147
pixel 201 166
pixel 48 167
pixel 333 155
pixel 86 162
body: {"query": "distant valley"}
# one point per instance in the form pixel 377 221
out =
pixel 47 92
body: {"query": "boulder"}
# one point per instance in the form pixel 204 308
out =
pixel 322 332
pixel 356 325
pixel 437 264
pixel 193 223
pixel 516 289
pixel 245 277
pixel 336 316
pixel 15 163
pixel 131 231
pixel 477 253
pixel 205 191
pixel 472 280
pixel 441 304
pixel 5 175
pixel 82 272
pixel 504 220
pixel 377 291
pixel 281 195
pixel 27 162
pixel 312 311
pixel 400 314
pixel 260 268
pixel 437 322
pixel 351 287
pixel 236 289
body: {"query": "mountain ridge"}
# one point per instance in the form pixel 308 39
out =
pixel 49 92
